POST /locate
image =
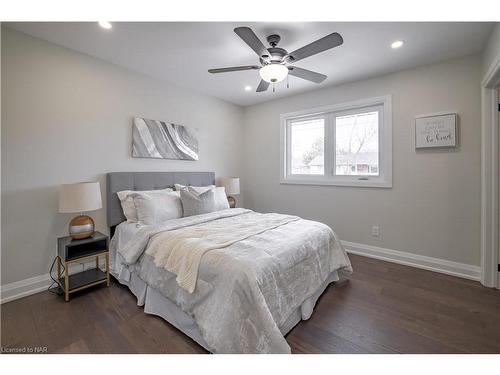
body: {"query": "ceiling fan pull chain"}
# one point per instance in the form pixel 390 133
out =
pixel 287 84
pixel 273 87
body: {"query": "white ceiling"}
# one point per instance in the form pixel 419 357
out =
pixel 182 52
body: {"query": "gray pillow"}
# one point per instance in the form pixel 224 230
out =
pixel 221 202
pixel 195 203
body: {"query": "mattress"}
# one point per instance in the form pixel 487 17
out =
pixel 155 302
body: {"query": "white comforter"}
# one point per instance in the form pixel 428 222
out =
pixel 251 279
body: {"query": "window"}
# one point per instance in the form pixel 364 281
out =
pixel 347 144
pixel 307 147
pixel 356 144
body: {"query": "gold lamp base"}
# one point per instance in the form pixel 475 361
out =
pixel 232 202
pixel 80 227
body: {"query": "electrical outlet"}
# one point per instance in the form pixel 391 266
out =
pixel 375 231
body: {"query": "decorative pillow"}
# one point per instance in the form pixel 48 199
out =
pixel 127 201
pixel 155 208
pixel 198 189
pixel 221 202
pixel 195 203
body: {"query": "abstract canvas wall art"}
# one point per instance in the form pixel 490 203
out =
pixel 162 140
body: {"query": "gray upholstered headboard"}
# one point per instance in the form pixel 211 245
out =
pixel 117 181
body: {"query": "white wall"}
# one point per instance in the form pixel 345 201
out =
pixel 433 208
pixel 67 117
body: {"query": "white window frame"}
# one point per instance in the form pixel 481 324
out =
pixel 383 180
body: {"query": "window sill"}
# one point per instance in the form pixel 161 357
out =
pixel 374 183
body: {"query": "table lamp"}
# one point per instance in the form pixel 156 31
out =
pixel 232 186
pixel 80 197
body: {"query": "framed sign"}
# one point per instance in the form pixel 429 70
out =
pixel 436 131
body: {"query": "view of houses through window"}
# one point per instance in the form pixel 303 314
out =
pixel 356 145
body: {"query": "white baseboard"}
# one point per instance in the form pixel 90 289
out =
pixel 466 271
pixel 26 287
pixel 23 288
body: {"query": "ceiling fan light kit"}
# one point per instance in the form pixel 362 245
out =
pixel 273 72
pixel 276 63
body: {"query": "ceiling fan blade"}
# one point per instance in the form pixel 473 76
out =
pixel 263 85
pixel 252 40
pixel 306 74
pixel 234 69
pixel 327 42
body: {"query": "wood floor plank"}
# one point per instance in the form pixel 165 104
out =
pixel 381 308
pixel 18 327
pixel 427 320
pixel 78 347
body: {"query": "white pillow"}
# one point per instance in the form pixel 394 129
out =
pixel 127 201
pixel 155 208
pixel 221 202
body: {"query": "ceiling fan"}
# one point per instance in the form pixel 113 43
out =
pixel 276 63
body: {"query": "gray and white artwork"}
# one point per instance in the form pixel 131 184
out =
pixel 161 140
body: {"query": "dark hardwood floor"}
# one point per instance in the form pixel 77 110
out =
pixel 381 308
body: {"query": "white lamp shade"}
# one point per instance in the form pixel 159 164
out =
pixel 231 184
pixel 80 197
pixel 273 72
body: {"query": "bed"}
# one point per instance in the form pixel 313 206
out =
pixel 240 297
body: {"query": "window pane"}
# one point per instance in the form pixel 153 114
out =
pixel 356 148
pixel 307 147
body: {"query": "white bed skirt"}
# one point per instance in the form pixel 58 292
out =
pixel 157 304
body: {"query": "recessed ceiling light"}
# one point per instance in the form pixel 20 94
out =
pixel 248 88
pixel 105 24
pixel 397 44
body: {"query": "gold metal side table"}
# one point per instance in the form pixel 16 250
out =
pixel 76 251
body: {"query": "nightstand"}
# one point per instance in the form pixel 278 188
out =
pixel 71 251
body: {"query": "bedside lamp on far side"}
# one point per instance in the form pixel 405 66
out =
pixel 80 197
pixel 232 186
